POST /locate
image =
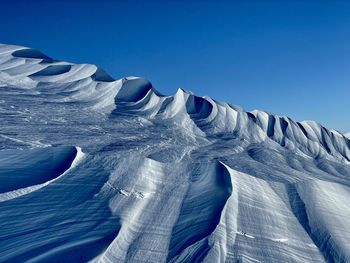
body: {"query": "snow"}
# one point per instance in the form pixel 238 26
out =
pixel 103 170
pixel 34 187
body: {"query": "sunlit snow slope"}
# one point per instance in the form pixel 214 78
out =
pixel 103 170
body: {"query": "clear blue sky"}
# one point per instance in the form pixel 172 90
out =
pixel 287 57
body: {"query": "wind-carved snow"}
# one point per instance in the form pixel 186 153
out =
pixel 103 170
pixel 16 169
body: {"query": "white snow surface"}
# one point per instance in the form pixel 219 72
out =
pixel 103 170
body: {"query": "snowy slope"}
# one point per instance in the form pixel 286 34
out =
pixel 107 170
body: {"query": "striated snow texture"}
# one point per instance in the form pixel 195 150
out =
pixel 102 170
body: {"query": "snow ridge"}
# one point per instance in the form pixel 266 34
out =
pixel 137 96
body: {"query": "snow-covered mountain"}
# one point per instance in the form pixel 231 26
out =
pixel 104 170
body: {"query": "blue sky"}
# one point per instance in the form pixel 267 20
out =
pixel 287 57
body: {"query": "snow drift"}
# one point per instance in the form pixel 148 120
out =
pixel 22 168
pixel 176 178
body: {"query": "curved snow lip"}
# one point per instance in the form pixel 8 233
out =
pixel 101 75
pixel 51 165
pixel 53 70
pixel 31 53
pixel 204 203
pixel 134 89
